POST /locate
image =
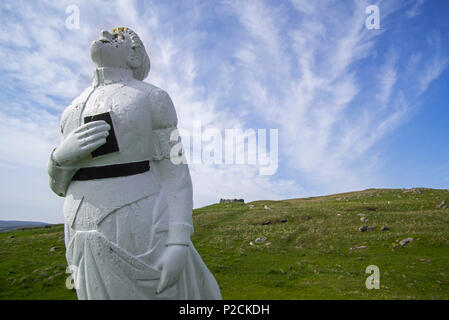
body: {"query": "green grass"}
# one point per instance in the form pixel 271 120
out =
pixel 309 256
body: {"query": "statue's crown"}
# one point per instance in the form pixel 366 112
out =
pixel 136 42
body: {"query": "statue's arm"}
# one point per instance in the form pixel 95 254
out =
pixel 76 145
pixel 174 178
pixel 60 177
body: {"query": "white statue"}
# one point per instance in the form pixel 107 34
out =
pixel 128 207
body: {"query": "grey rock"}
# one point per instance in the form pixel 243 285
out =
pixel 406 241
pixel 232 200
pixel 384 228
pixel 261 240
pixel 358 247
pixel 11 237
pixel 441 204
pixel 53 249
pixel 371 228
pixel 266 223
pixel 363 228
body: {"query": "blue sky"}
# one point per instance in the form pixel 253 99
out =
pixel 355 108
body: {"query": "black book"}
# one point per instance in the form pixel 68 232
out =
pixel 111 144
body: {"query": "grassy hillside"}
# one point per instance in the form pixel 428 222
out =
pixel 313 249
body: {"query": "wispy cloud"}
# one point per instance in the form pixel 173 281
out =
pixel 308 68
pixel 415 9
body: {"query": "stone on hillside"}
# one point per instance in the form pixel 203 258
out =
pixel 384 228
pixel 417 190
pixel 361 214
pixel 371 228
pixel 363 219
pixel 11 237
pixel 232 200
pixel 389 202
pixel 266 207
pixel 363 228
pixel 251 206
pixel 266 223
pixel 406 241
pixel 358 247
pixel 53 249
pixel 261 240
pixel 441 204
pixel 283 220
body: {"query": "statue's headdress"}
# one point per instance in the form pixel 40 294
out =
pixel 141 72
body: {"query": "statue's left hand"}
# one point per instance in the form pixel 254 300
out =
pixel 171 263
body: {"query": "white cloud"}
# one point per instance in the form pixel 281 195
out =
pixel 415 9
pixel 293 66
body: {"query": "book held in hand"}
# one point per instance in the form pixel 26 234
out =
pixel 111 144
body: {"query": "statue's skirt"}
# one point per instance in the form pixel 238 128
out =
pixel 112 249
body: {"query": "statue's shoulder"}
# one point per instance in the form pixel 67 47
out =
pixel 145 87
pixel 162 108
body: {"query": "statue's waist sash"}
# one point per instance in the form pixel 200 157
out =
pixel 111 171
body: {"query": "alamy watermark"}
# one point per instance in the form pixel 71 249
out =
pixel 72 22
pixel 212 146
pixel 72 281
pixel 373 281
pixel 373 20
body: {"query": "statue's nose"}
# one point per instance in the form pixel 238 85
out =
pixel 106 34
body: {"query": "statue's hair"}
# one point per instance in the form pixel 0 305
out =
pixel 142 71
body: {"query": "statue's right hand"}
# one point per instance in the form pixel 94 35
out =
pixel 81 142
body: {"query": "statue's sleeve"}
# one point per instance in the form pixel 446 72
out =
pixel 174 178
pixel 164 122
pixel 60 177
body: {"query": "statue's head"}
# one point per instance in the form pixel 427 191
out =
pixel 121 48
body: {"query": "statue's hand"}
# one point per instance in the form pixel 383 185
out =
pixel 171 263
pixel 81 141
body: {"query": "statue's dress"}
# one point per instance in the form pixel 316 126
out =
pixel 117 228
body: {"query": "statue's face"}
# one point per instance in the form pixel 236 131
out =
pixel 112 49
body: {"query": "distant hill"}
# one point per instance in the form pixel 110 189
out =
pixel 6 225
pixel 310 248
